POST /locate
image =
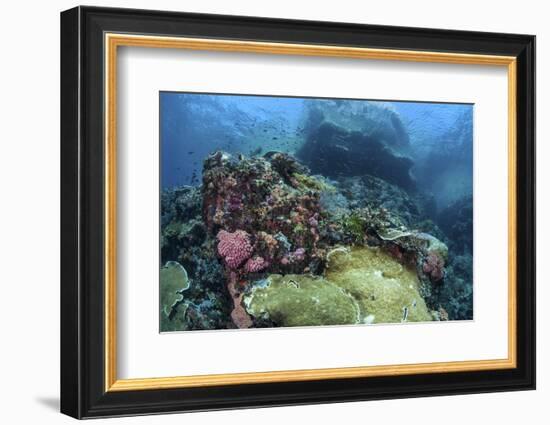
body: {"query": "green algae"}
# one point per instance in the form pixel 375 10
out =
pixel 354 224
pixel 312 183
pixel 361 285
pixel 173 281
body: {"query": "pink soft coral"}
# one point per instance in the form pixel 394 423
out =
pixel 234 247
pixel 434 267
pixel 255 264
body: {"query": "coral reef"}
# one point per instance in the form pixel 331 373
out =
pixel 369 191
pixel 456 221
pixel 266 243
pixel 266 208
pixel 305 211
pixel 434 267
pixel 185 240
pixel 361 285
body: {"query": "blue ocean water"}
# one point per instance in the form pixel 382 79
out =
pixel 439 135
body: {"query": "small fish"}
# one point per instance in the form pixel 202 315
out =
pixel 274 138
pixel 190 153
pixel 256 151
pixel 341 147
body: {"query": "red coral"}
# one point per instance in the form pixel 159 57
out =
pixel 234 247
pixel 313 220
pixel 434 267
pixel 395 251
pixel 240 317
pixel 255 264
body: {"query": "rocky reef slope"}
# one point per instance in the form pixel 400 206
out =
pixel 264 243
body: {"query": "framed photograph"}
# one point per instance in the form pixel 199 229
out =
pixel 261 212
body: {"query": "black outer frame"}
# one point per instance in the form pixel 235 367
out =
pixel 82 219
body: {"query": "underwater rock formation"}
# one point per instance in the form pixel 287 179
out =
pixel 456 295
pixel 335 152
pixel 181 223
pixel 268 244
pixel 349 138
pixel 361 285
pixel 378 120
pixel 263 209
pixel 456 221
pixel 369 191
pixel 185 240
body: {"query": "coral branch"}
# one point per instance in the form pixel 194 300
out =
pixel 240 317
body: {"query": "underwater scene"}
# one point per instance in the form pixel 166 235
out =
pixel 286 211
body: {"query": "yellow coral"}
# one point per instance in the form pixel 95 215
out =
pixel 361 285
pixel 382 286
pixel 302 300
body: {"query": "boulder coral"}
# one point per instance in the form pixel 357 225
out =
pixel 361 285
pixel 301 300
